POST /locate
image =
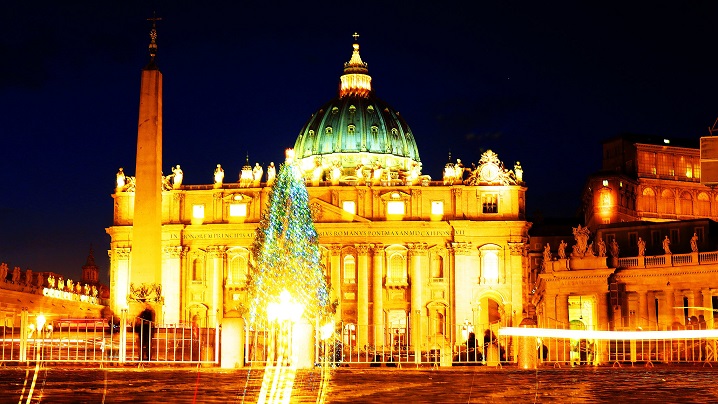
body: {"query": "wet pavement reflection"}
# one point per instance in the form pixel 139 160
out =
pixel 685 384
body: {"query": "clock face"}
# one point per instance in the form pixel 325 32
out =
pixel 489 172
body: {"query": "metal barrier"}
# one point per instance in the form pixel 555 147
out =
pixel 106 341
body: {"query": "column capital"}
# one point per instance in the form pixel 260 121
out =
pixel 122 253
pixel 216 251
pixel 174 251
pixel 462 248
pixel 377 249
pixel 418 249
pixel 519 249
pixel 362 249
pixel 335 249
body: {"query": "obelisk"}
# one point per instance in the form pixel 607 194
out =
pixel 146 256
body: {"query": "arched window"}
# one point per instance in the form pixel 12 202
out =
pixel 648 201
pixel 686 204
pixel 237 270
pixel 396 268
pixel 667 203
pixel 350 270
pixel 704 205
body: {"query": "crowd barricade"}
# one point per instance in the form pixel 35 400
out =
pixel 111 340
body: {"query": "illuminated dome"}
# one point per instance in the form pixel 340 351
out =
pixel 355 129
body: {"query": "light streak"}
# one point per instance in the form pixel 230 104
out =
pixel 607 335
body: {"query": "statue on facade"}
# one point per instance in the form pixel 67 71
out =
pixel 601 247
pixel 667 245
pixel 519 172
pixel 581 234
pixel 257 173
pixel 16 275
pixel 28 277
pixel 70 285
pixel 3 272
pixel 449 174
pixel 177 177
pixel 547 253
pixel 78 288
pixel 614 248
pixel 218 175
pixel 94 291
pixel 51 281
pixel 40 281
pixel 562 250
pixel 60 283
pixel 120 181
pixel 271 173
pixel 641 247
pixel 86 289
pixel 694 242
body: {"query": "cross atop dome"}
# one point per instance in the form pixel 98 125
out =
pixel 356 80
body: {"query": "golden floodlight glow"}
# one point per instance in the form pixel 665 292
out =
pixel 607 335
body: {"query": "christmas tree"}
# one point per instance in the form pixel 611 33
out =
pixel 286 249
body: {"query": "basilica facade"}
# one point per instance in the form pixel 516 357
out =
pixel 404 254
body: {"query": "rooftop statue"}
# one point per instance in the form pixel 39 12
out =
pixel 177 178
pixel 581 234
pixel 120 180
pixel 218 175
pixel 271 173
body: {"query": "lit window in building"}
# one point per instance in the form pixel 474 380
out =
pixel 490 203
pixel 237 269
pixel 648 201
pixel 396 272
pixel 606 198
pixel 704 205
pixel 349 206
pixel 667 203
pixel 198 211
pixel 686 204
pixel 395 207
pixel 437 207
pixel 350 273
pixel 238 210
pixel 605 183
pixel 490 265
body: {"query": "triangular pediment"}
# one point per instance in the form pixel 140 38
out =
pixel 323 212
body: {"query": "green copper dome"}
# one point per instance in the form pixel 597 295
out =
pixel 356 129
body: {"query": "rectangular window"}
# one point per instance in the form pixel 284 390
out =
pixel 238 210
pixel 633 240
pixel 437 207
pixel 198 211
pixel 655 238
pixel 490 203
pixel 350 207
pixel 395 207
pixel 674 236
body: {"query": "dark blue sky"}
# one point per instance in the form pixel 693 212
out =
pixel 543 84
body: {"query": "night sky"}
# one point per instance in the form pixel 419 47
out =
pixel 542 84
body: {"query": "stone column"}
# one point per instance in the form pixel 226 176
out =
pixel 335 251
pixel 417 252
pixel 172 279
pixel 691 295
pixel 451 273
pixel 217 256
pixel 651 303
pixel 562 322
pixel 362 295
pixel 708 303
pixel 120 281
pixel 642 309
pixel 378 296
